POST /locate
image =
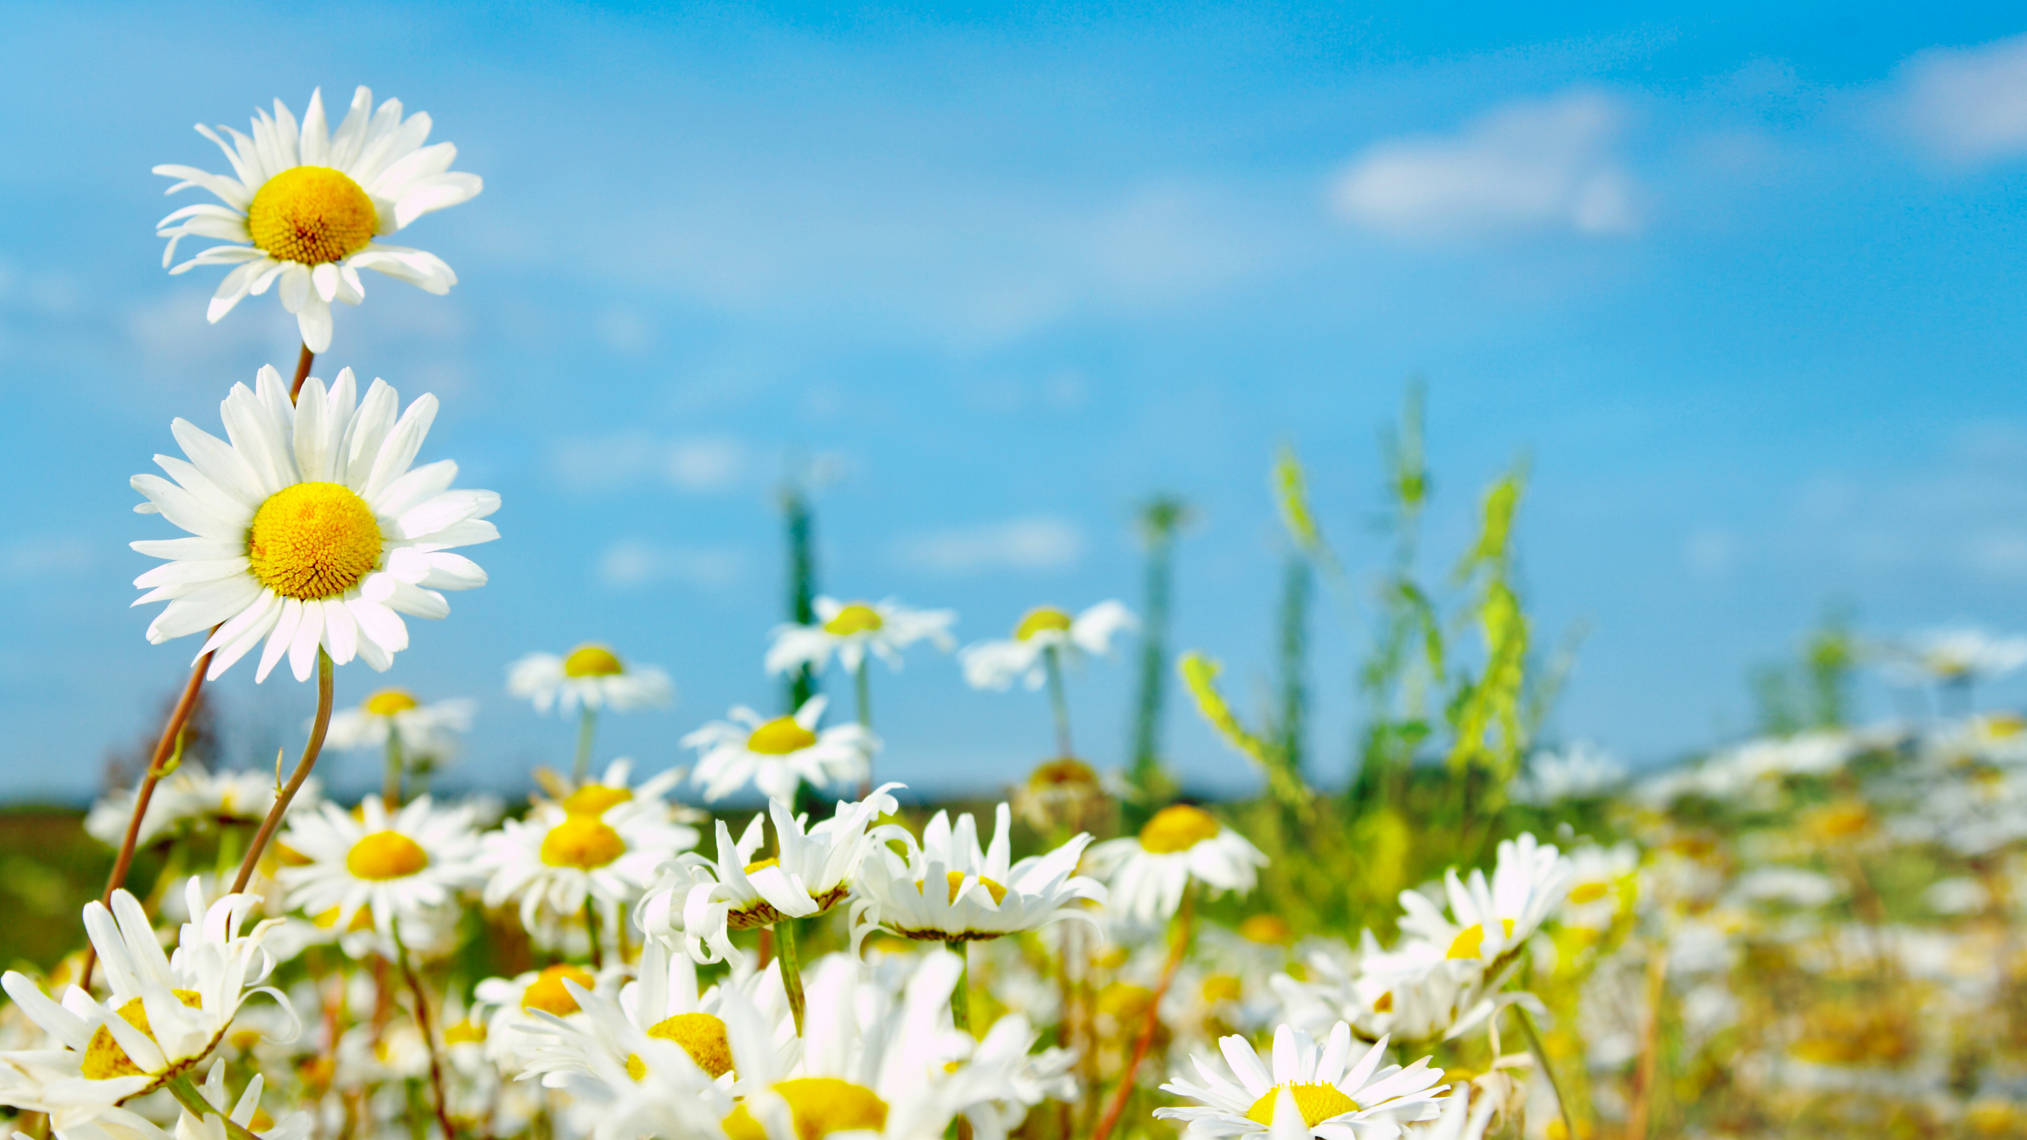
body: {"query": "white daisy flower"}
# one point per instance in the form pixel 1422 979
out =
pixel 1602 881
pixel 294 1126
pixel 776 755
pixel 401 866
pixel 1485 922
pixel 1335 1096
pixel 303 206
pixel 308 529
pixel 995 664
pixel 1014 1077
pixel 708 899
pixel 1147 873
pixel 592 676
pixel 507 1007
pixel 427 732
pixel 163 1016
pixel 852 629
pixel 870 1066
pixel 1406 996
pixel 1955 656
pixel 604 840
pixel 985 897
pixel 193 797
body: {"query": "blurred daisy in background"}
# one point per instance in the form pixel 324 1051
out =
pixel 1956 656
pixel 398 865
pixel 1046 634
pixel 303 206
pixel 777 755
pixel 950 889
pixel 854 629
pixel 592 677
pixel 1148 873
pixel 192 798
pixel 1337 1097
pixel 1530 880
pixel 309 529
pixel 417 738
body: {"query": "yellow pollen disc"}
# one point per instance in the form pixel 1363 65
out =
pixel 462 1032
pixel 290 857
pixel 855 618
pixel 1177 828
pixel 595 800
pixel 2004 726
pixel 1065 771
pixel 956 878
pixel 1587 892
pixel 582 841
pixel 261 1121
pixel 1124 1002
pixel 702 1036
pixel 362 919
pixel 312 215
pixel 592 661
pixel 819 1106
pixel 1267 929
pixel 546 992
pixel 103 1057
pixel 1470 941
pixel 636 1068
pixel 313 540
pixel 1318 1102
pixel 1222 987
pixel 779 737
pixel 1385 1004
pixel 387 702
pixel 762 864
pixel 386 855
pixel 1039 619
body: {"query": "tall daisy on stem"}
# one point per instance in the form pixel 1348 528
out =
pixel 857 632
pixel 1045 642
pixel 416 737
pixel 590 678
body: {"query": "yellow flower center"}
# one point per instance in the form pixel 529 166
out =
pixel 462 1032
pixel 595 800
pixel 1318 1102
pixel 312 215
pixel 313 540
pixel 387 702
pixel 1065 772
pixel 855 618
pixel 702 1036
pixel 1470 941
pixel 1267 929
pixel 1223 987
pixel 1124 1001
pixel 546 992
pixel 592 661
pixel 582 841
pixel 1587 892
pixel 2004 726
pixel 779 737
pixel 762 864
pixel 386 855
pixel 1384 1003
pixel 362 919
pixel 819 1106
pixel 1177 828
pixel 956 878
pixel 1039 619
pixel 103 1057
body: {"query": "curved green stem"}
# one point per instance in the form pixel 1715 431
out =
pixel 1059 701
pixel 390 792
pixel 288 791
pixel 791 970
pixel 587 727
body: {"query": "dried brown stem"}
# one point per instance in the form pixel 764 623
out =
pixel 1176 950
pixel 302 372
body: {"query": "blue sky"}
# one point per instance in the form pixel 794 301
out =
pixel 1741 280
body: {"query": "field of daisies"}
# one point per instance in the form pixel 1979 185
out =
pixel 1811 933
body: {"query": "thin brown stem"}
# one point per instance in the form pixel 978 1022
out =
pixel 1648 1070
pixel 302 372
pixel 1176 950
pixel 310 751
pixel 429 1038
pixel 172 734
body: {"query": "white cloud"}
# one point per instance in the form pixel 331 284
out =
pixel 1968 104
pixel 1532 165
pixel 33 558
pixel 1038 542
pixel 1711 552
pixel 698 465
pixel 631 562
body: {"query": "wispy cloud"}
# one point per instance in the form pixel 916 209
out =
pixel 1525 166
pixel 35 557
pixel 631 563
pixel 697 465
pixel 1967 104
pixel 1035 543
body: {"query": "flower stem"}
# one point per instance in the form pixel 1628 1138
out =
pixel 288 791
pixel 193 1101
pixel 168 754
pixel 1562 1103
pixel 587 727
pixel 791 970
pixel 1178 947
pixel 422 1024
pixel 302 372
pixel 594 931
pixel 1052 661
pixel 390 791
pixel 863 689
pixel 960 998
